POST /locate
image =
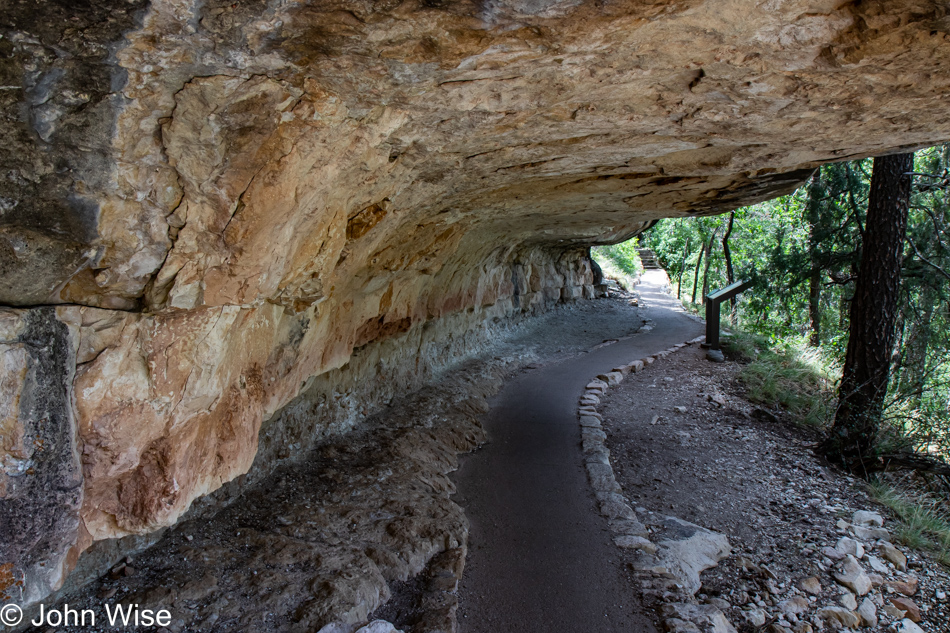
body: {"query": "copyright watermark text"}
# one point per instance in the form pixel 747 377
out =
pixel 117 616
pixel 10 615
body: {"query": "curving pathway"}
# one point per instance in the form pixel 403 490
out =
pixel 540 556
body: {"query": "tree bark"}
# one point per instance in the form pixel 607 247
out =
pixel 699 261
pixel 679 282
pixel 706 269
pixel 914 366
pixel 873 315
pixel 730 271
pixel 815 191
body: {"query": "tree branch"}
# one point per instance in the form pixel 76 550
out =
pixel 910 461
pixel 927 261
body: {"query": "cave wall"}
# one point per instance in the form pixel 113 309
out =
pixel 211 212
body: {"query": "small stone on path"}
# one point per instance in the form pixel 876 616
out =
pixel 794 606
pixel 378 626
pixel 755 617
pixel 635 542
pixel 706 617
pixel 850 547
pixel 877 565
pixel 871 533
pixel 907 587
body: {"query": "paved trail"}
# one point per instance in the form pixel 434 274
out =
pixel 540 557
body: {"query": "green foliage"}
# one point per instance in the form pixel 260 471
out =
pixel 924 523
pixel 624 256
pixel 772 246
pixel 802 252
pixel 619 261
pixel 794 377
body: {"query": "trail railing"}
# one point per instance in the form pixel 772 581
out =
pixel 713 302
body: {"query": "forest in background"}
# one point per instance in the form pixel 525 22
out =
pixel 802 251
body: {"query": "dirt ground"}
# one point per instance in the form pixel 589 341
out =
pixel 684 441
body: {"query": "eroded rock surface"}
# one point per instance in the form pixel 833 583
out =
pixel 249 210
pixel 317 544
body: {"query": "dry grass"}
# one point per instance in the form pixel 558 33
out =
pixel 797 379
pixel 924 524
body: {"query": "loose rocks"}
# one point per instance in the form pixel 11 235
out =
pixel 853 576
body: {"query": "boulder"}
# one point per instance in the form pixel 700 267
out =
pixel 853 576
pixel 687 549
pixel 708 618
pixel 838 617
pixel 867 519
pixel 868 613
pixel 894 555
pixel 908 606
pixel 849 547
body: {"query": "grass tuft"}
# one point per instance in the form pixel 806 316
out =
pixel 620 262
pixel 924 525
pixel 794 377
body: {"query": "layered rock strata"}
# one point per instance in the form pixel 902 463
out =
pixel 241 209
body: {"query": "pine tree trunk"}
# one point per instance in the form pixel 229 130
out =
pixel 730 271
pixel 679 282
pixel 815 191
pixel 706 269
pixel 873 315
pixel 914 366
pixel 699 261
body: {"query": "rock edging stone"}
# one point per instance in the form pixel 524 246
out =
pixel 671 552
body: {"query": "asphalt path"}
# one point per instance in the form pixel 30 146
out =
pixel 540 556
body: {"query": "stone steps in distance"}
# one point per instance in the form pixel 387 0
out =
pixel 648 259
